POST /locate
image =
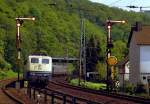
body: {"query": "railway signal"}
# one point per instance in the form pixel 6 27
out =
pixel 19 22
pixel 110 59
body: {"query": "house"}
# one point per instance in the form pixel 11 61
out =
pixel 139 55
pixel 123 71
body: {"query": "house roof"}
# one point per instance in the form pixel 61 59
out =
pixel 123 62
pixel 142 36
pixel 130 36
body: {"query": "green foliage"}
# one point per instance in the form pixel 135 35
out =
pixel 70 68
pixel 7 74
pixel 92 54
pixel 129 88
pixel 91 85
pixel 58 27
pixel 96 86
pixel 101 67
pixel 140 89
pixel 120 49
pixel 4 65
pixel 2 75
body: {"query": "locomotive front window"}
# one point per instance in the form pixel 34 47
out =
pixel 34 60
pixel 45 61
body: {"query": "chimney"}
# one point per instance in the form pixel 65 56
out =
pixel 138 26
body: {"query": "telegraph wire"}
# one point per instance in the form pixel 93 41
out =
pixel 115 2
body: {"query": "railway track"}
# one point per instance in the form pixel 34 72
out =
pixel 59 91
pixel 85 96
pixel 11 95
pixel 101 92
pixel 7 97
pixel 82 93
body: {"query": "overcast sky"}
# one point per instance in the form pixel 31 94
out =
pixel 124 3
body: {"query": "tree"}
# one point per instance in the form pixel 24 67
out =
pixel 92 54
pixel 55 28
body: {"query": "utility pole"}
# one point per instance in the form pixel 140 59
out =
pixel 109 47
pixel 82 61
pixel 67 64
pixel 19 22
pixel 82 51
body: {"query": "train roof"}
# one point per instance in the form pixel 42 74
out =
pixel 39 54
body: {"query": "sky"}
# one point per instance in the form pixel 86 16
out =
pixel 123 3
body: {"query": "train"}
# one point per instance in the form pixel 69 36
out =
pixel 38 69
pixel 92 76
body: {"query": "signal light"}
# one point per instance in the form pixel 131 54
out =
pixel 33 18
pixel 123 21
pixel 20 21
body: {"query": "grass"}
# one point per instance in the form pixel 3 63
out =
pixel 7 74
pixel 91 85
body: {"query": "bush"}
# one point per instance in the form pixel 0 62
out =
pixel 2 75
pixel 7 74
pixel 140 89
pixel 91 85
pixel 129 88
pixel 4 64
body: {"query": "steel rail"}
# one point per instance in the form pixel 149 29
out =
pixel 136 99
pixel 5 83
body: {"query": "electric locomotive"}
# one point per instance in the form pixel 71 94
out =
pixel 38 69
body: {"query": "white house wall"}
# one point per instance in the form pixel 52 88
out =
pixel 126 76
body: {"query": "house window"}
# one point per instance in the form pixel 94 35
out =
pixel 144 77
pixel 144 59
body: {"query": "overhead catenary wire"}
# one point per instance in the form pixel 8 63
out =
pixel 132 4
pixel 140 7
pixel 115 2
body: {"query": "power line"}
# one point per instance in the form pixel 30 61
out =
pixel 131 5
pixel 115 2
pixel 140 7
pixel 131 2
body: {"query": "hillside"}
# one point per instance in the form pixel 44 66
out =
pixel 57 28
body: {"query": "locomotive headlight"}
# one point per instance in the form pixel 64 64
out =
pixel 32 74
